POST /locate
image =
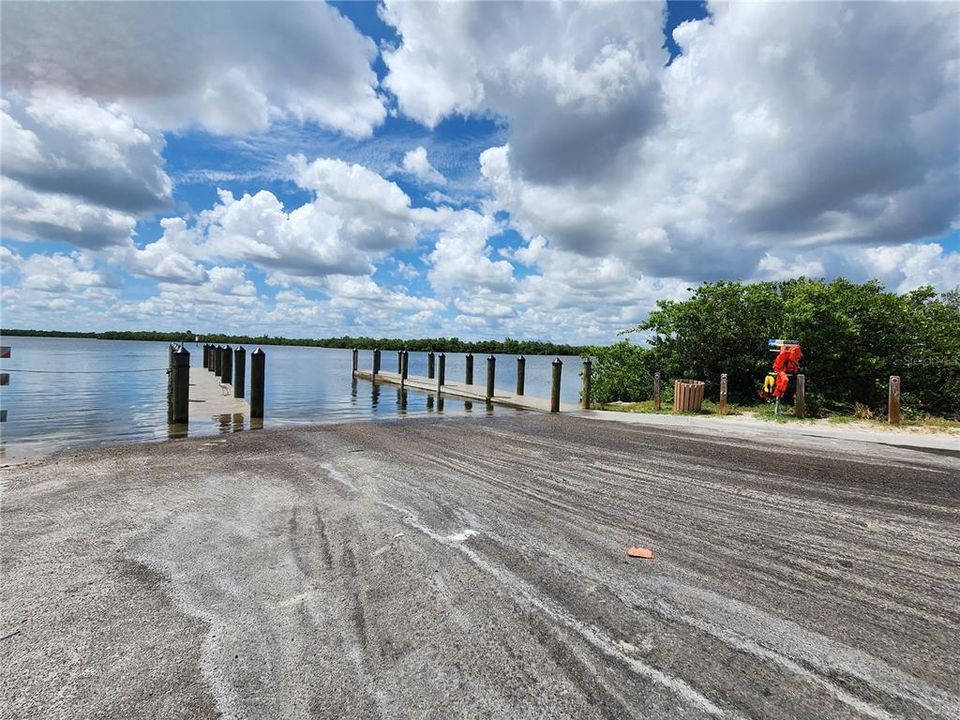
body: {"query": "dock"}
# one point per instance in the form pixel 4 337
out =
pixel 210 397
pixel 463 391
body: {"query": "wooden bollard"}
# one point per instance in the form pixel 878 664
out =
pixel 239 371
pixel 800 399
pixel 258 361
pixel 400 362
pixel 656 392
pixel 170 350
pixel 893 401
pixel 405 365
pixel 723 394
pixel 181 386
pixel 468 373
pixel 206 357
pixel 441 371
pixel 226 365
pixel 356 362
pixel 218 361
pixel 376 362
pixel 555 386
pixel 521 373
pixel 430 365
pixel 586 385
pixel 491 376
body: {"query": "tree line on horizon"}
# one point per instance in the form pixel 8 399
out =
pixel 507 346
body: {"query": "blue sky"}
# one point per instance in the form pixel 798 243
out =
pixel 471 169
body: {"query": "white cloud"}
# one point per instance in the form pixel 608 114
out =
pixel 229 69
pixel 460 258
pixel 170 258
pixel 416 163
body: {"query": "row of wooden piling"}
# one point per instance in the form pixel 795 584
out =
pixel 229 366
pixel 436 369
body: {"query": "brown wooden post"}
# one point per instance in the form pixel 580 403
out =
pixel 226 366
pixel 376 362
pixel 521 374
pixel 181 386
pixel 468 372
pixel 239 371
pixel 656 392
pixel 405 365
pixel 893 401
pixel 491 376
pixel 800 400
pixel 723 394
pixel 587 384
pixel 399 362
pixel 431 365
pixel 441 372
pixel 356 362
pixel 555 386
pixel 258 361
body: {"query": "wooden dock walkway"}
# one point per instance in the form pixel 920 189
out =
pixel 211 398
pixel 476 393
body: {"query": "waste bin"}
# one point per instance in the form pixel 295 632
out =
pixel 687 395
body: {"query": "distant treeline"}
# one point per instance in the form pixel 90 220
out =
pixel 454 345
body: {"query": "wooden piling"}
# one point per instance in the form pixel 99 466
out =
pixel 800 399
pixel 399 362
pixel 376 362
pixel 218 361
pixel 893 401
pixel 181 386
pixel 468 373
pixel 656 392
pixel 491 376
pixel 356 362
pixel 521 373
pixel 441 371
pixel 239 371
pixel 226 366
pixel 258 361
pixel 206 357
pixel 170 350
pixel 405 365
pixel 586 384
pixel 723 394
pixel 555 386
pixel 430 365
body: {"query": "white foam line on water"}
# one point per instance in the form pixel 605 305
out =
pixel 592 634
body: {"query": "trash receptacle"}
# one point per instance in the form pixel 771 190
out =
pixel 687 395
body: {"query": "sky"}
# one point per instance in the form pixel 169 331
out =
pixel 480 170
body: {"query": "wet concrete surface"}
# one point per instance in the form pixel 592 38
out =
pixel 476 568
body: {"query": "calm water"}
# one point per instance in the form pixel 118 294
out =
pixel 71 392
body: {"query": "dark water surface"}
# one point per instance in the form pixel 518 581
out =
pixel 75 392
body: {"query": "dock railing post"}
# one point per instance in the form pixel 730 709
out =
pixel 656 392
pixel 258 361
pixel 491 376
pixel 405 370
pixel 356 362
pixel 800 400
pixel 170 351
pixel 181 386
pixel 227 365
pixel 441 372
pixel 555 386
pixel 430 365
pixel 206 358
pixel 521 373
pixel 399 362
pixel 468 373
pixel 239 371
pixel 893 401
pixel 218 361
pixel 376 362
pixel 723 393
pixel 587 384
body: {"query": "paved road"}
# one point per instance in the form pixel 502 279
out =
pixel 476 568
